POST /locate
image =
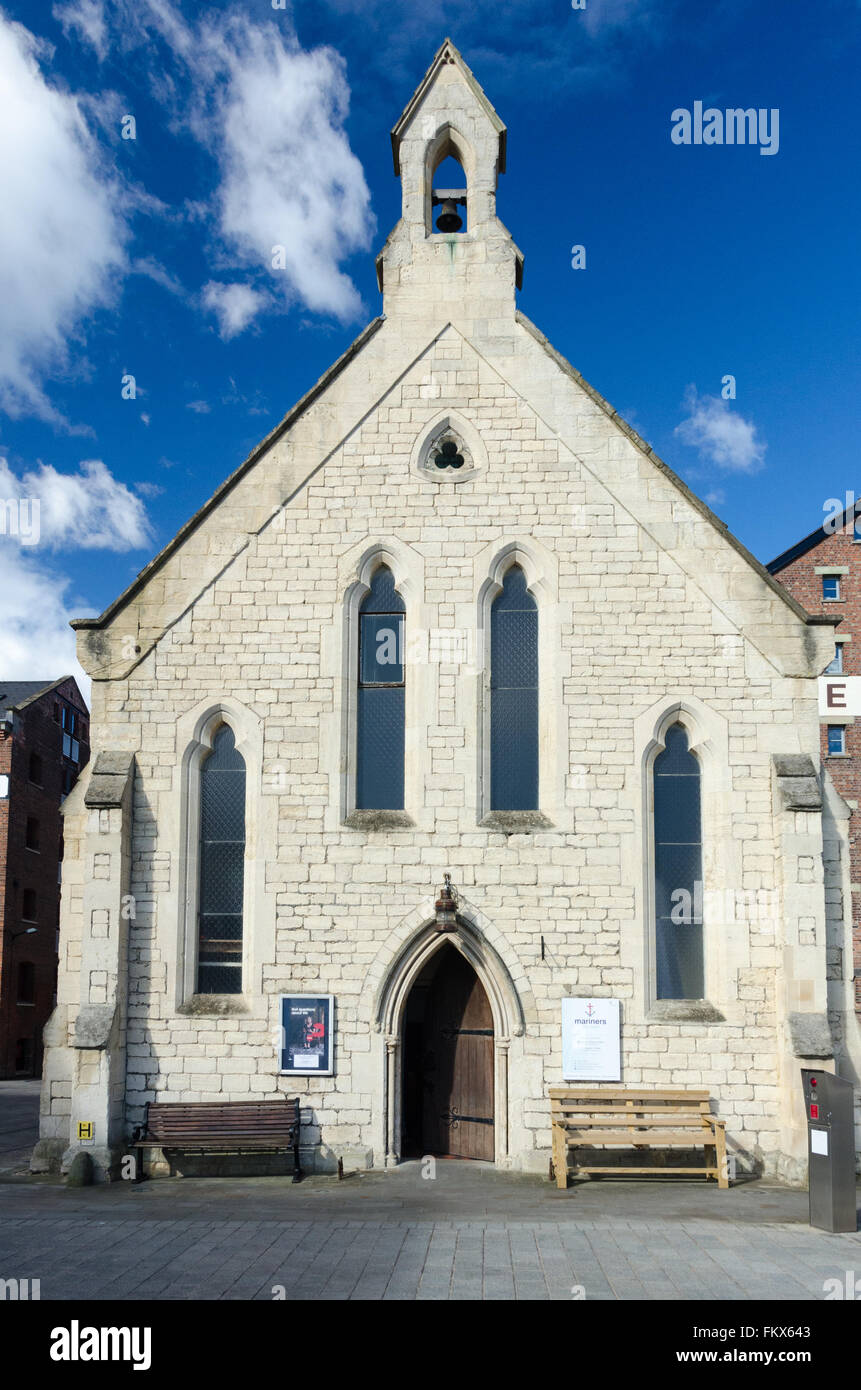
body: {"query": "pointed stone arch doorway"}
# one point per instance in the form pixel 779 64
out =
pixel 390 1012
pixel 448 1062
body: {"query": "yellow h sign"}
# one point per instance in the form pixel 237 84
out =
pixel 86 1131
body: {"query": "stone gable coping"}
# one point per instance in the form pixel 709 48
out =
pixel 447 53
pixel 691 497
pixel 230 482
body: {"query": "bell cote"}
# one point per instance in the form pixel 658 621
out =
pixel 449 150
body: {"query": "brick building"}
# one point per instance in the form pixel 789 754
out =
pixel 453 616
pixel 823 571
pixel 44 743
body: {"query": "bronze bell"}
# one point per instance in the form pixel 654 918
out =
pixel 449 219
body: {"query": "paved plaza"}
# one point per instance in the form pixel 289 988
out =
pixel 469 1232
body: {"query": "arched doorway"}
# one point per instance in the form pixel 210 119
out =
pixel 448 1061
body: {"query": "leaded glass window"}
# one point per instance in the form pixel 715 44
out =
pixel 678 870
pixel 514 696
pixel 222 867
pixel 381 694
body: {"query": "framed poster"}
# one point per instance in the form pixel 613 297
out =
pixel 591 1040
pixel 306 1034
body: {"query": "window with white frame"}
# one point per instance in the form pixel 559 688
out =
pixel 831 586
pixel 836 739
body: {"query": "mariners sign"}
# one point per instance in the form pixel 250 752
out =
pixel 591 1040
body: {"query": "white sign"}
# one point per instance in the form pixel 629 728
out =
pixel 591 1040
pixel 840 695
pixel 819 1141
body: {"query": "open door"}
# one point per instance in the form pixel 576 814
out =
pixel 448 1062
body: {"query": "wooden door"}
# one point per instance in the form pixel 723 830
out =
pixel 457 1063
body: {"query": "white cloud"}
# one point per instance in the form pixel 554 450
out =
pixel 35 638
pixel 289 177
pixel 155 271
pixel 88 510
pixel 235 306
pixel 61 251
pixel 199 407
pixel 272 115
pixel 86 18
pixel 720 435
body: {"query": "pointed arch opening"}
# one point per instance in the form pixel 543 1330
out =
pixel 678 868
pixel 448 1062
pixel 483 977
pixel 690 863
pixel 449 449
pixel 222 915
pixel 449 170
pixel 521 737
pixel 514 695
pixel 382 692
pixel 221 866
pixel 380 706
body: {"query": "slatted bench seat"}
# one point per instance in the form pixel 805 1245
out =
pixel 635 1119
pixel 261 1126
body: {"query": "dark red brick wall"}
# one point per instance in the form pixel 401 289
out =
pixel 806 586
pixel 35 731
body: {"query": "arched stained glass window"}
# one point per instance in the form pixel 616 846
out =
pixel 514 697
pixel 380 707
pixel 678 870
pixel 222 867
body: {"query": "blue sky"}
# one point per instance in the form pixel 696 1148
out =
pixel 146 257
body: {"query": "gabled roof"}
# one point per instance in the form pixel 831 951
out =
pixel 810 542
pixel 813 619
pixel 447 53
pixel 16 694
pixel 334 371
pixel 230 482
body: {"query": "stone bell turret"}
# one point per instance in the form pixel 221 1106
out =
pixel 449 244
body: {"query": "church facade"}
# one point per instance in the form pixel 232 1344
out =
pixel 451 704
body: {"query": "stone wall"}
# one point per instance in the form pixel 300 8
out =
pixel 648 612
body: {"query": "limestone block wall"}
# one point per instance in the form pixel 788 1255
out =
pixel 636 633
pixel 58 1068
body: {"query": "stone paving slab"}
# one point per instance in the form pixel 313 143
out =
pixel 472 1234
pixel 19 1123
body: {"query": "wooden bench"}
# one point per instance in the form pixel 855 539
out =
pixel 222 1127
pixel 635 1119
